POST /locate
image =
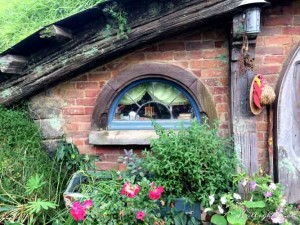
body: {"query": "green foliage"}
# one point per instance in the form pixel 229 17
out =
pixel 119 21
pixel 19 18
pixel 111 207
pixel 21 152
pixel 32 184
pixel 193 162
pixel 262 202
pixel 68 154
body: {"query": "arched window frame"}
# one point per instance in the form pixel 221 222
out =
pixel 101 135
pixel 147 125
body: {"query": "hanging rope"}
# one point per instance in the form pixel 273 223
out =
pixel 246 62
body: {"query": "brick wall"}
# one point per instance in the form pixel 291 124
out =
pixel 204 53
pixel 280 32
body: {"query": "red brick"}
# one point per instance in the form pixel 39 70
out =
pixel 220 90
pixel 73 111
pixel 111 157
pixel 84 126
pixel 260 41
pixel 99 75
pixel 180 56
pixel 213 73
pixel 159 55
pixel 218 99
pixel 197 72
pixel 73 94
pixel 268 69
pixel 79 142
pixel 107 165
pixel 171 46
pixel 182 64
pixel 72 127
pixel 78 134
pixel 222 107
pixel 92 93
pixel 204 64
pixel 210 82
pixel 195 55
pixel 87 85
pixel 209 35
pixel 296 20
pixel 278 40
pixel 190 37
pixel 272 30
pixel 262 126
pixel 137 56
pixel 89 110
pixel 291 30
pixel 70 101
pixel 210 54
pixel 77 118
pixel 220 44
pixel 152 48
pixel 85 101
pixel 269 50
pixel 276 20
pixel 80 78
pixel 274 59
pixel 198 45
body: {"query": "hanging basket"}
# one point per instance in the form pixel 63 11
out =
pixel 268 95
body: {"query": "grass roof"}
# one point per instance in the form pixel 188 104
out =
pixel 21 18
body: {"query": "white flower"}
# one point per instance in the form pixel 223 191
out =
pixel 244 183
pixel 282 203
pixel 223 200
pixel 272 186
pixel 211 199
pixel 277 218
pixel 237 196
pixel 207 209
pixel 220 209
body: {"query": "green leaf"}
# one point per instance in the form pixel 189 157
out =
pixel 257 204
pixel 237 216
pixel 39 205
pixel 35 182
pixel 218 220
pixel 180 219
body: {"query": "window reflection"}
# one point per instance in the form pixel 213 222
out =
pixel 154 100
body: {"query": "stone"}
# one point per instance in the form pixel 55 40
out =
pixel 51 146
pixel 52 128
pixel 44 108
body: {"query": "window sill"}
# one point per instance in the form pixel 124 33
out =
pixel 122 137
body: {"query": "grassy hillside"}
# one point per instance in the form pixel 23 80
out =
pixel 20 18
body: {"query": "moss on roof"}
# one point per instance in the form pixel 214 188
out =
pixel 19 18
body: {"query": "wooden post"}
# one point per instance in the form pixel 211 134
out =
pixel 243 121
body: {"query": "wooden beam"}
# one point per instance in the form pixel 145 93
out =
pixel 59 33
pixel 84 53
pixel 12 64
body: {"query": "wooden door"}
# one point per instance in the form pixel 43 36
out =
pixel 288 129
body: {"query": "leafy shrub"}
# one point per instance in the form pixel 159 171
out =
pixel 193 162
pixel 21 152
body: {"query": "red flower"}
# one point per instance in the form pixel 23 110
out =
pixel 156 193
pixel 140 215
pixel 130 190
pixel 77 211
pixel 88 204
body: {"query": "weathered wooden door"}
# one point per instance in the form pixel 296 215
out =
pixel 288 129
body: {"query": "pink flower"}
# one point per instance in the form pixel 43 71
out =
pixel 277 217
pixel 253 185
pixel 140 215
pixel 268 194
pixel 156 193
pixel 77 211
pixel 130 190
pixel 88 204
